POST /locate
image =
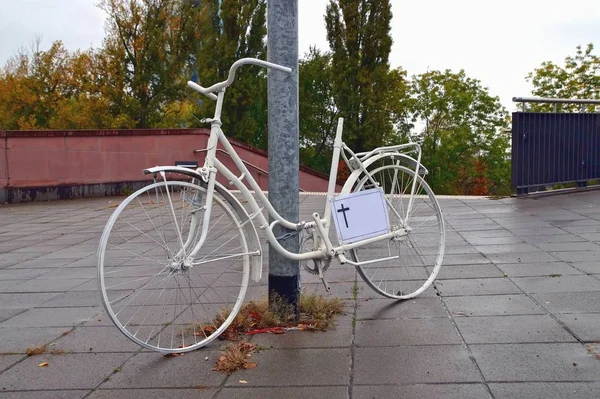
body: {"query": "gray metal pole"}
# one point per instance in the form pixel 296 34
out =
pixel 282 48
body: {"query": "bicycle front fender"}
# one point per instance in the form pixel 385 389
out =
pixel 251 234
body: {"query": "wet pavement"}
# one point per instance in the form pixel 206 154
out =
pixel 514 313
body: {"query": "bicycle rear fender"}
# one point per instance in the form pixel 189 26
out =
pixel 402 159
pixel 251 234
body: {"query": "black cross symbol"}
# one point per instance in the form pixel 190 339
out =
pixel 343 210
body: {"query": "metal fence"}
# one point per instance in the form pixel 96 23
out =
pixel 554 148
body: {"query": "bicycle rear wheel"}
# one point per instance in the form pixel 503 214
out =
pixel 420 252
pixel 151 290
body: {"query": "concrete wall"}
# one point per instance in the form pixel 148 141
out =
pixel 65 164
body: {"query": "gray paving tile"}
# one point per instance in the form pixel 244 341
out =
pixel 193 393
pixel 413 365
pixel 17 340
pixel 511 329
pixel 527 231
pixel 587 267
pixel 41 264
pixel 468 271
pixel 338 336
pixel 436 331
pixel 506 248
pixel 68 254
pixel 6 314
pixel 475 240
pixel 287 393
pixel 477 227
pixel 8 360
pixel 153 370
pixel 585 325
pixel 96 339
pixel 487 233
pixel 553 238
pixel 52 317
pixel 594 237
pixel 569 302
pixel 23 301
pixel 492 305
pixel 20 274
pixel 78 371
pixel 534 285
pixel 8 284
pixel 40 285
pixel 593 228
pixel 521 257
pixel 459 248
pixel 577 256
pixel 88 261
pixel 314 367
pixel 73 299
pixel 569 246
pixel 466 259
pixel 420 307
pixel 421 391
pixel 19 257
pixel 43 248
pixel 476 286
pixel 538 269
pixel 542 390
pixel 70 273
pixel 71 394
pixel 536 362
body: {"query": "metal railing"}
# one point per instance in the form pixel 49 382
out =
pixel 550 149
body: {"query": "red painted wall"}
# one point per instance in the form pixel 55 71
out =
pixel 50 158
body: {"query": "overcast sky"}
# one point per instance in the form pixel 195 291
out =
pixel 496 42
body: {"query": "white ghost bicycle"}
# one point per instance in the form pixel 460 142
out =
pixel 177 255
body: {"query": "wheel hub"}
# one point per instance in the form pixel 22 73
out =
pixel 180 265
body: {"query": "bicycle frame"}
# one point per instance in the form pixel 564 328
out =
pixel 212 166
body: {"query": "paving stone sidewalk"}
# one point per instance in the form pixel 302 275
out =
pixel 514 313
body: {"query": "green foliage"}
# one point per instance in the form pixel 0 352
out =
pixel 462 123
pixel 235 30
pixel 318 112
pixel 578 78
pixel 365 91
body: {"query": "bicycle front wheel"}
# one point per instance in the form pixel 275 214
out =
pixel 417 256
pixel 151 289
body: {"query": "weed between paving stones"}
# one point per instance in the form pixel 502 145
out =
pixel 316 314
pixel 38 350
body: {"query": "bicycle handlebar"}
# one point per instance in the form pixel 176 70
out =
pixel 209 92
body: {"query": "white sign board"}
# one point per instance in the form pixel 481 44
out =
pixel 360 215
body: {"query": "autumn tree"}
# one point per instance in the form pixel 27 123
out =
pixel 230 30
pixel 54 89
pixel 579 77
pixel 460 128
pixel 147 48
pixel 366 93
